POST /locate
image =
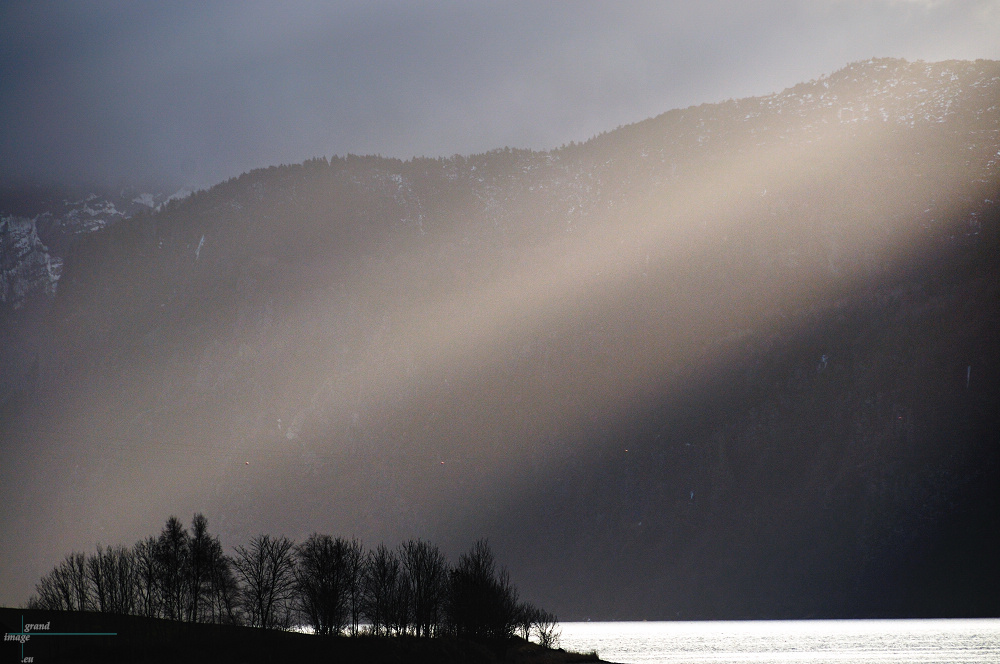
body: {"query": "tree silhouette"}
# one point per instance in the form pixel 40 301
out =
pixel 427 577
pixel 200 554
pixel 66 587
pixel 382 589
pixel 225 596
pixel 525 619
pixel 172 559
pixel 147 577
pixel 354 565
pixel 112 575
pixel 482 600
pixel 546 626
pixel 328 583
pixel 267 570
pixel 209 576
pixel 323 584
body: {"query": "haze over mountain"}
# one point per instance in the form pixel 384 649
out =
pixel 190 94
pixel 737 360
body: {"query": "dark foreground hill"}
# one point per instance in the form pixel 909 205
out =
pixel 736 361
pixel 155 641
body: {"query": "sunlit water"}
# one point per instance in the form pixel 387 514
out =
pixel 789 642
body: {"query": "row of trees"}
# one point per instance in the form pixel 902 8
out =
pixel 332 585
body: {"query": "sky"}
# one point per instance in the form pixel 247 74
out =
pixel 193 93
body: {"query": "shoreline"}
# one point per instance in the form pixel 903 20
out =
pixel 83 636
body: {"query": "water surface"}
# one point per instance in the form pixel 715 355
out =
pixel 790 642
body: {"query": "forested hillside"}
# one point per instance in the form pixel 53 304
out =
pixel 735 361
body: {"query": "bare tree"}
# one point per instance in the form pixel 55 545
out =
pixel 225 606
pixel 65 588
pixel 505 616
pixel 400 615
pixel 111 573
pixel 47 595
pixel 333 583
pixel 149 599
pixel 547 628
pixel 381 589
pixel 354 564
pixel 123 583
pixel 323 582
pixel 172 561
pixel 95 574
pixel 267 570
pixel 525 619
pixel 204 550
pixel 427 575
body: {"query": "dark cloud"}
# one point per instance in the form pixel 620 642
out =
pixel 200 92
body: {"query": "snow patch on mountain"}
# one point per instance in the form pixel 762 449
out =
pixel 888 90
pixel 178 195
pixel 145 199
pixel 26 265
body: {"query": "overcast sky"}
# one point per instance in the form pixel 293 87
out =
pixel 196 92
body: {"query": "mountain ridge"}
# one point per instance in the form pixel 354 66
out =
pixel 327 325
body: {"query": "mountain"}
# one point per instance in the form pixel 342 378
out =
pixel 27 265
pixel 39 225
pixel 735 361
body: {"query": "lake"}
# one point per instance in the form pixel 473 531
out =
pixel 789 642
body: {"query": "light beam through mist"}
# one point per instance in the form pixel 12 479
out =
pixel 452 423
